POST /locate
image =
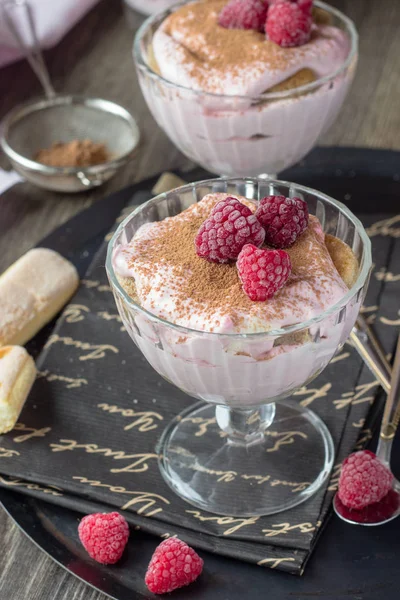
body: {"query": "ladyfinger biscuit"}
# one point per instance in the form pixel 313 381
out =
pixel 32 291
pixel 343 258
pixel 17 374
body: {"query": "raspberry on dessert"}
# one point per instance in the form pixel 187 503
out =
pixel 244 14
pixel 305 5
pixel 284 219
pixel 173 565
pixel 364 480
pixel 104 536
pixel 288 24
pixel 263 272
pixel 229 227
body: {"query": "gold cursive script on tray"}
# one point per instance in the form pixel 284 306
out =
pixel 236 522
pixel 369 312
pixel 74 313
pixel 385 228
pixel 106 316
pixel 91 284
pixel 358 396
pixel 284 528
pixel 30 432
pixel 142 420
pixel 313 393
pixel 12 482
pixel 139 464
pixel 7 453
pixel 284 438
pixel 142 501
pixel 273 563
pixel 95 351
pixel 391 322
pixel 334 479
pixel 71 382
pixel 386 276
pixel 343 355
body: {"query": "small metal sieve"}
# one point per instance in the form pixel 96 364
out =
pixel 36 125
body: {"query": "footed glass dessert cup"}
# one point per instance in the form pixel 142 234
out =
pixel 247 448
pixel 241 135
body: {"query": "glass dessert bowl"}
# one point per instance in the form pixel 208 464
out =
pixel 250 126
pixel 150 7
pixel 223 455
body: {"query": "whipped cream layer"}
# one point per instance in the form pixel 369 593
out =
pixel 192 50
pixel 162 271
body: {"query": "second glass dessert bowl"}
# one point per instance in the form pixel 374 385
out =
pixel 245 449
pixel 233 135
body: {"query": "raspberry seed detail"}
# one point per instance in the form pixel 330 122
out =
pixel 173 565
pixel 263 272
pixel 229 227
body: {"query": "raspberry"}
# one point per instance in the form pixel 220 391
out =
pixel 364 480
pixel 305 5
pixel 288 24
pixel 244 14
pixel 263 272
pixel 173 565
pixel 283 219
pixel 104 536
pixel 374 513
pixel 229 227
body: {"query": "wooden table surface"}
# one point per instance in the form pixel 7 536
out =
pixel 95 59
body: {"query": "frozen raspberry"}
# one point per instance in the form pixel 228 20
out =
pixel 364 480
pixel 283 219
pixel 173 565
pixel 373 513
pixel 244 14
pixel 229 227
pixel 288 24
pixel 305 5
pixel 104 536
pixel 263 272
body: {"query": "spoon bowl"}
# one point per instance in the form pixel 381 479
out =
pixel 388 508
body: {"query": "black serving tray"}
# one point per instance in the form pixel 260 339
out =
pixel 349 562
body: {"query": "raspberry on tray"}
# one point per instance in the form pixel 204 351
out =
pixel 104 536
pixel 173 565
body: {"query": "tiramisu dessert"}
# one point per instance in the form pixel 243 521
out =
pixel 247 86
pixel 228 266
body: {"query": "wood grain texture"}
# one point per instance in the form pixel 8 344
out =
pixel 95 59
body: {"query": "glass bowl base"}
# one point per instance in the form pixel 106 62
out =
pixel 284 468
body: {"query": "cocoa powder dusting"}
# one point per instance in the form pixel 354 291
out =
pixel 202 287
pixel 78 153
pixel 208 49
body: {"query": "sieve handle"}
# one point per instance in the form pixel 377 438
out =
pixel 19 19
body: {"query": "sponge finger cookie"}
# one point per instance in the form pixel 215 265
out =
pixel 32 291
pixel 17 374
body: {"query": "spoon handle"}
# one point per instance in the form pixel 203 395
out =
pixel 370 350
pixel 391 413
pixel 19 19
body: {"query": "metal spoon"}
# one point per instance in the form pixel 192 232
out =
pixel 19 19
pixel 370 350
pixel 40 123
pixel 389 507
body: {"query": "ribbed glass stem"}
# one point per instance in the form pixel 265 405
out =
pixel 245 426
